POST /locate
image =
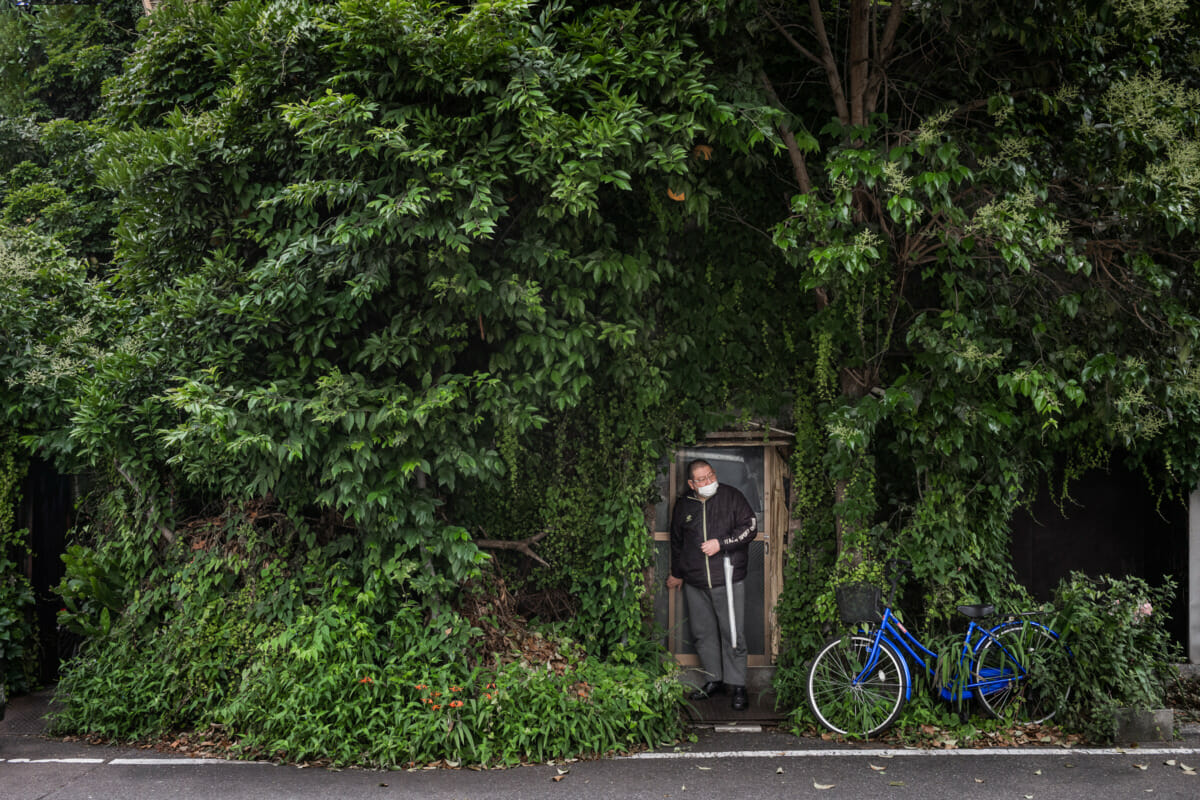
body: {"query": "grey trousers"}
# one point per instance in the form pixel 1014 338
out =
pixel 708 617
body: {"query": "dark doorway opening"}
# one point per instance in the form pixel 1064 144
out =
pixel 1112 523
pixel 46 513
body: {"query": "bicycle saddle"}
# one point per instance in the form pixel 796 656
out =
pixel 976 612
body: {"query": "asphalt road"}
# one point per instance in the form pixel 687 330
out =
pixel 719 765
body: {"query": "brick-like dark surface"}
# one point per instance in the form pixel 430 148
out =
pixel 25 715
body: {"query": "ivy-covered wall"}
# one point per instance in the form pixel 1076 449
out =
pixel 326 292
pixel 18 633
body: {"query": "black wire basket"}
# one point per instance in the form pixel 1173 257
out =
pixel 858 602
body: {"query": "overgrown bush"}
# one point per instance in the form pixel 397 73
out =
pixel 1121 654
pixel 402 692
pixel 584 481
pixel 299 657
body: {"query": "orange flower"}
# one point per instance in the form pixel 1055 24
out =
pixel 455 703
pixel 437 694
pixel 456 688
pixel 487 695
pixel 421 686
pixel 436 706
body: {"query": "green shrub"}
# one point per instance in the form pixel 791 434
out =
pixel 337 686
pixel 1121 654
pixel 222 638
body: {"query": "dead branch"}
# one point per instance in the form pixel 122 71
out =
pixel 522 546
pixel 163 529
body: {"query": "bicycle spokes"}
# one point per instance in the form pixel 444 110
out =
pixel 1008 670
pixel 855 687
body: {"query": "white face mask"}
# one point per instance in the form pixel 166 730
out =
pixel 707 490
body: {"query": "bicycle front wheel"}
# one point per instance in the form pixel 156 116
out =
pixel 853 693
pixel 1005 668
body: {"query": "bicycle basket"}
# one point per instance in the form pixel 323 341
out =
pixel 858 602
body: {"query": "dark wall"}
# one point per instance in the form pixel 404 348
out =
pixel 1111 524
pixel 46 510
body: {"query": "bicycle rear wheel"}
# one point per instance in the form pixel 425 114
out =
pixel 1006 666
pixel 861 707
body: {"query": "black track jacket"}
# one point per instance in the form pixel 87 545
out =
pixel 726 517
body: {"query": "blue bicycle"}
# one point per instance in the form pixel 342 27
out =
pixel 859 683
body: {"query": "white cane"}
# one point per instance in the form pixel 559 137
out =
pixel 729 602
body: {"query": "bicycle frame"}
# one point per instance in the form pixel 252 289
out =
pixel 910 649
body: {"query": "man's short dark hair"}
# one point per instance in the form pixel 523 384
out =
pixel 694 464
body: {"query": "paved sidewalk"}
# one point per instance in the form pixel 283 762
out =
pixel 26 715
pixel 23 727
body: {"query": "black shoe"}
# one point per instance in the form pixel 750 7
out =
pixel 707 690
pixel 740 700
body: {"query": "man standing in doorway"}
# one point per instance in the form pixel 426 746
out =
pixel 713 522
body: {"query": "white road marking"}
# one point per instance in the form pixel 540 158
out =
pixel 156 762
pixel 992 751
pixel 51 760
pixel 1061 752
pixel 130 762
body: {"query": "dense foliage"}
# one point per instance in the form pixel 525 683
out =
pixel 1120 653
pixel 1003 268
pixel 391 280
pixel 17 662
pixel 291 653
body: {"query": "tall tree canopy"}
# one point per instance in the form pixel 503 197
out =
pixel 995 218
pixel 434 271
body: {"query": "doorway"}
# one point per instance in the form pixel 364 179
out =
pixel 756 465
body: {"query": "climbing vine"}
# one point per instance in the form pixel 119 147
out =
pixel 586 483
pixel 17 634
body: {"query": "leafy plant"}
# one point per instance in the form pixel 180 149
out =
pixel 1121 654
pixel 309 657
pixel 17 632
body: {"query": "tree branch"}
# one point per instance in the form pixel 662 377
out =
pixel 827 60
pixel 522 546
pixel 799 167
pixel 163 529
pixel 884 54
pixel 860 53
pixel 801 49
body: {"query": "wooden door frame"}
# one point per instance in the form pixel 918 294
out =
pixel 772 532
